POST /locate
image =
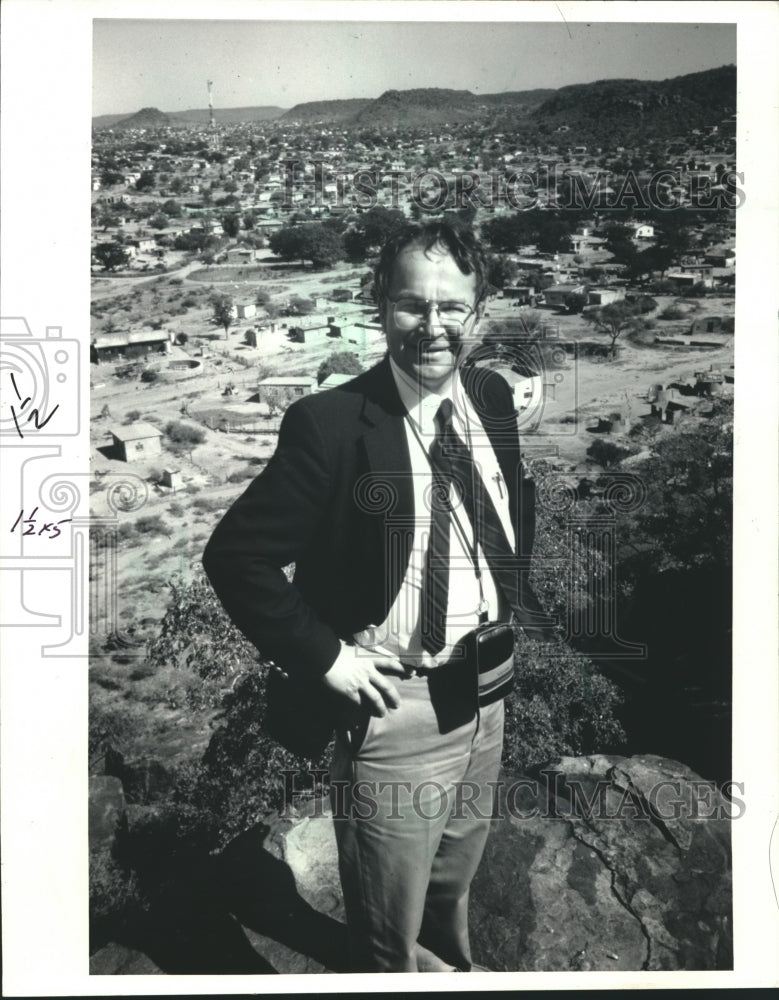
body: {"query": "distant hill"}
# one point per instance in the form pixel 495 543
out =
pixel 193 116
pixel 327 111
pixel 228 116
pixel 603 112
pixel 145 118
pixel 630 110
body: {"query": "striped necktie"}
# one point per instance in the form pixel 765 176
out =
pixel 452 462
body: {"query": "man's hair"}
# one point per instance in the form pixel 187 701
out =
pixel 459 241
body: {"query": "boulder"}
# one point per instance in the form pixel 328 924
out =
pixel 118 960
pixel 606 863
pixel 600 863
pixel 107 811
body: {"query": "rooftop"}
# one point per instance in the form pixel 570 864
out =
pixel 135 431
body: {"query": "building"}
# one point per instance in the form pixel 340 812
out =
pixel 557 295
pixel 604 296
pixel 712 324
pixel 245 310
pixel 523 295
pixel 137 441
pixel 692 276
pixel 334 380
pixel 139 343
pixel 291 385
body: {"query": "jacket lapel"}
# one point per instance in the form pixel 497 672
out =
pixel 384 490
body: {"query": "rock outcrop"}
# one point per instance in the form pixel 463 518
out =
pixel 596 863
pixel 606 863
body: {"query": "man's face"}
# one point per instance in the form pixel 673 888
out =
pixel 428 349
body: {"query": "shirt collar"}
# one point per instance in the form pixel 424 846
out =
pixel 422 404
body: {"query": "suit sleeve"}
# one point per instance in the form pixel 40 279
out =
pixel 265 530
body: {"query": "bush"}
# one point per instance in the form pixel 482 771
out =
pixel 561 705
pixel 149 375
pixel 113 889
pixel 205 504
pixel 131 416
pixel 673 312
pixel 180 433
pixel 151 525
pixel 176 509
pixel 241 476
pixel 340 362
pixel 606 453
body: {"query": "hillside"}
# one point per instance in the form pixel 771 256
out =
pixel 192 116
pixel 145 118
pixel 427 106
pixel 326 111
pixel 228 116
pixel 632 110
pixel 629 111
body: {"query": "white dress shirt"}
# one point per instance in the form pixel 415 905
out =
pixel 400 633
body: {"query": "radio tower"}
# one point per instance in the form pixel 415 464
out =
pixel 214 140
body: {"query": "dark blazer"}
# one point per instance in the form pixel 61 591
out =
pixel 336 499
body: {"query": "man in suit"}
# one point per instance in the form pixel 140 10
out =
pixel 387 585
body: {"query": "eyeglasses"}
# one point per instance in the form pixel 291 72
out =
pixel 408 313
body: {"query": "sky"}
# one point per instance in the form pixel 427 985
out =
pixel 165 63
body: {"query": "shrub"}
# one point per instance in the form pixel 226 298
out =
pixel 606 453
pixel 206 504
pixel 151 525
pixel 113 889
pixel 176 509
pixel 180 433
pixel 240 476
pixel 673 312
pixel 149 375
pixel 561 705
pixel 341 362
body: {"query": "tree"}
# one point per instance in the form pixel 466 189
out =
pixel 320 244
pixel 250 337
pixel 575 302
pixel 371 231
pixel 224 311
pixel 686 520
pixel 146 181
pixel 613 320
pixel 300 307
pixel 231 224
pixel 110 255
pixel 500 271
pixel 109 178
pixel 158 221
pixel 341 363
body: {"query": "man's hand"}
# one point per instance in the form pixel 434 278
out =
pixel 354 675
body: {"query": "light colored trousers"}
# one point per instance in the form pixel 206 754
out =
pixel 411 808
